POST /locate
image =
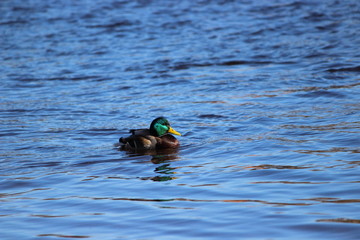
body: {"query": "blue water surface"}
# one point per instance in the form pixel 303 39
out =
pixel 265 93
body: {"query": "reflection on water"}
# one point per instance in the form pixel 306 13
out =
pixel 340 220
pixel 158 157
pixel 62 236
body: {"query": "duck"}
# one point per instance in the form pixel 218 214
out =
pixel 157 137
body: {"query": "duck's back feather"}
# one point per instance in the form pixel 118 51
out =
pixel 140 139
pixel 141 132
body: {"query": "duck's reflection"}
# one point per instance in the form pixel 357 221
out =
pixel 164 156
pixel 161 158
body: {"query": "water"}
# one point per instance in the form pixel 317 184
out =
pixel 265 93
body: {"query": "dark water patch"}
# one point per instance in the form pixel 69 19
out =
pixel 20 184
pixel 78 78
pixel 184 66
pixel 14 22
pixel 315 16
pixel 175 66
pixel 114 24
pixel 176 24
pixel 211 116
pixel 61 77
pixel 48 216
pixel 322 93
pixel 348 69
pixel 239 62
pixel 328 27
pixel 23 8
pixel 88 163
pixel 63 236
pixel 43 164
pixel 12 132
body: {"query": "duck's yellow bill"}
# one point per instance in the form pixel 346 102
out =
pixel 173 131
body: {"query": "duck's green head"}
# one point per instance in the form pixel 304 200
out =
pixel 160 126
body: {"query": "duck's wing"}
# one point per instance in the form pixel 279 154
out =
pixel 140 139
pixel 140 132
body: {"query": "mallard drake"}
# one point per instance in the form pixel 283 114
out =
pixel 156 137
